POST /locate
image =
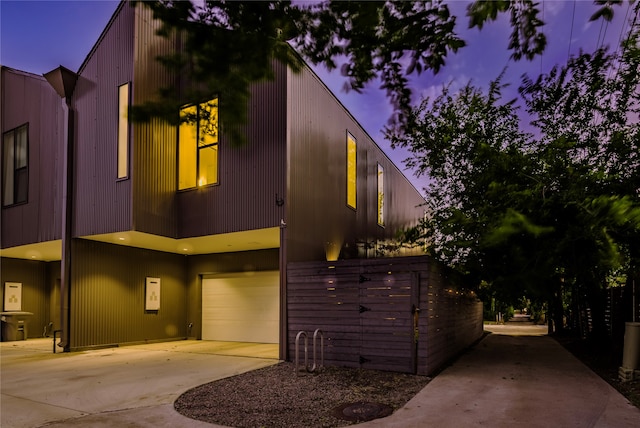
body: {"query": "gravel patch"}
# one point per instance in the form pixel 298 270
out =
pixel 275 397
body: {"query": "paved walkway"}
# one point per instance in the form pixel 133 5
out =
pixel 514 376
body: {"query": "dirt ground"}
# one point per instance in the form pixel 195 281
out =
pixel 277 397
pixel 605 363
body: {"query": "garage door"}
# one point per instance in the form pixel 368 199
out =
pixel 242 307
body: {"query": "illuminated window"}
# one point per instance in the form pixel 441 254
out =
pixel 123 131
pixel 351 170
pixel 380 195
pixel 15 165
pixel 198 145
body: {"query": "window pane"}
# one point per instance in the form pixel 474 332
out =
pixel 123 130
pixel 21 147
pixel 208 167
pixel 208 116
pixel 22 185
pixel 187 150
pixel 8 168
pixel 351 171
pixel 380 195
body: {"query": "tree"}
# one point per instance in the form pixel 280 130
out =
pixel 480 199
pixel 589 150
pixel 547 215
pixel 229 45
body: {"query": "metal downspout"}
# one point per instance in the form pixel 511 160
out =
pixel 67 225
pixel 63 81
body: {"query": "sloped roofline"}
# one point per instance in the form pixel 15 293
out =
pixel 17 71
pixel 305 64
pixel 336 99
pixel 102 35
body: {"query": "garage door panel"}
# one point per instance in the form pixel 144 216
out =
pixel 241 307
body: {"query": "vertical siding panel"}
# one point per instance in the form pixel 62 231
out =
pixel 318 125
pixel 249 176
pixel 28 98
pixel 108 297
pixel 154 152
pixel 35 290
pixel 102 202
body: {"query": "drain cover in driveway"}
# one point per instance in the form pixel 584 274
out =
pixel 362 412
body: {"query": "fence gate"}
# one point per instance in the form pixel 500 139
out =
pixel 387 304
pixel 366 310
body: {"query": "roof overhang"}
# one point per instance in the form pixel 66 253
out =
pixel 248 240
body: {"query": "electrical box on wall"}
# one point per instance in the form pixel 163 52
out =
pixel 152 300
pixel 12 296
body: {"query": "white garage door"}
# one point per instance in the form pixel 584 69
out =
pixel 242 307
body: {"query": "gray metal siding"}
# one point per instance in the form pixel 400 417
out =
pixel 154 144
pixel 318 215
pixel 53 281
pixel 35 290
pixel 102 202
pixel 27 98
pixel 249 176
pixel 108 295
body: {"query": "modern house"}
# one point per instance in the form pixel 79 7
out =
pixel 124 233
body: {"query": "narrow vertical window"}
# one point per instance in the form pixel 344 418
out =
pixel 198 145
pixel 380 195
pixel 351 170
pixel 15 166
pixel 187 151
pixel 123 131
pixel 208 143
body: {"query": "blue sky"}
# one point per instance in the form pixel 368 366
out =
pixel 38 36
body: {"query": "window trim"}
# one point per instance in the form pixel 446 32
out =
pixel 380 193
pixel 16 171
pixel 124 133
pixel 198 148
pixel 352 170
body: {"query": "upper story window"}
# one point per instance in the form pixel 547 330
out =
pixel 123 131
pixel 198 145
pixel 380 195
pixel 15 165
pixel 352 151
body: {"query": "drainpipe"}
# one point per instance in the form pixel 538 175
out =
pixel 63 81
pixel 284 322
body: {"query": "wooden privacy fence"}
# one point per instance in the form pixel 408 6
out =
pixel 396 314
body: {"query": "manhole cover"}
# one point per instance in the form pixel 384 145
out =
pixel 362 412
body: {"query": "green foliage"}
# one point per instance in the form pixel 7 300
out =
pixel 526 39
pixel 548 216
pixel 374 40
pixel 226 46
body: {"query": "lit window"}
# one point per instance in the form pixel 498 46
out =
pixel 15 162
pixel 198 145
pixel 123 131
pixel 380 195
pixel 351 170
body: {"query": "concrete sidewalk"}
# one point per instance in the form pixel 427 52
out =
pixel 516 375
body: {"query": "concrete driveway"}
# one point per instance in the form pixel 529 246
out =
pixel 132 386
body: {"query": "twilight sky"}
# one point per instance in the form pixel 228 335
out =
pixel 38 36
